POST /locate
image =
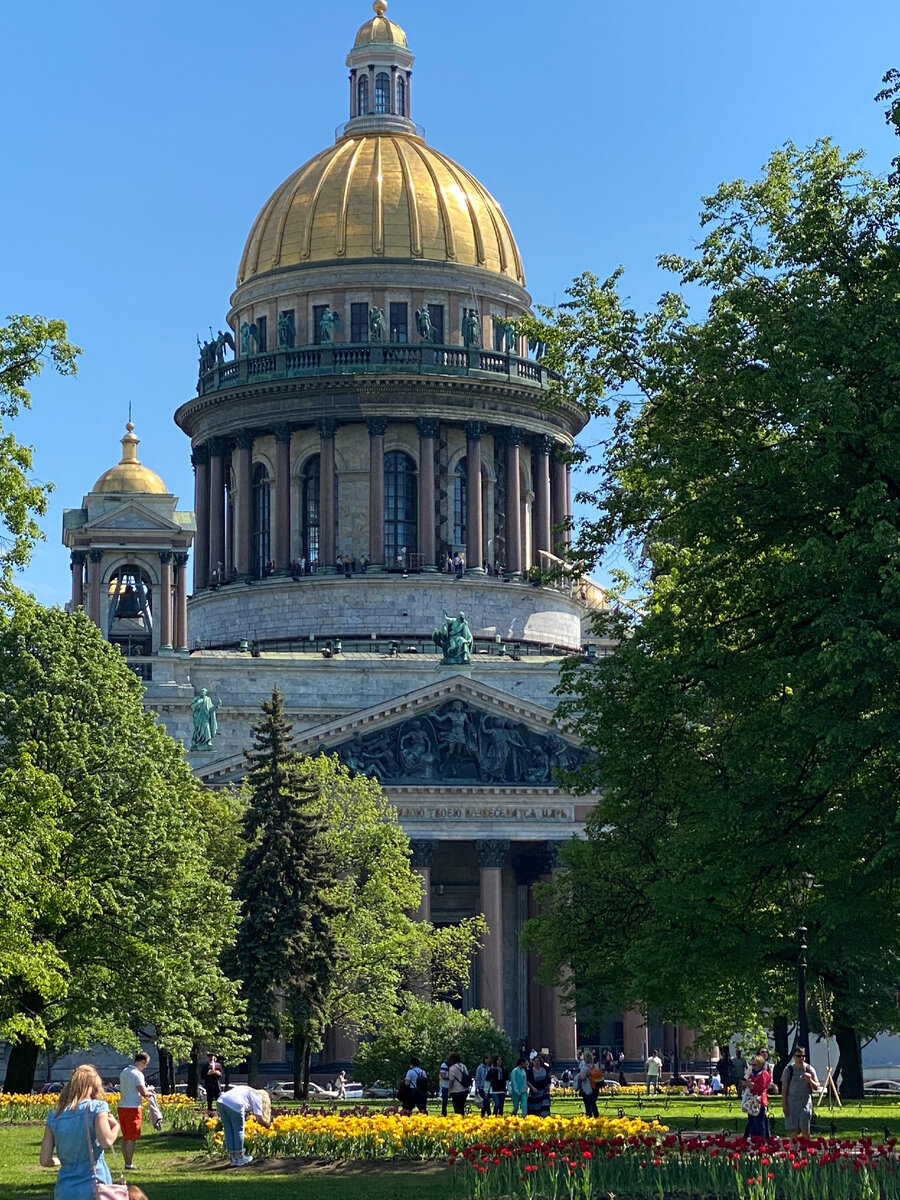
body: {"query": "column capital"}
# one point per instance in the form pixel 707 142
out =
pixel 561 452
pixel 549 854
pixel 491 851
pixel 165 556
pixel 327 427
pixel 543 444
pixel 96 555
pixel 428 427
pixel 473 431
pixel 377 426
pixel 513 436
pixel 422 852
pixel 78 558
pixel 200 455
pixel 218 447
pixel 283 432
pixel 181 558
pixel 245 439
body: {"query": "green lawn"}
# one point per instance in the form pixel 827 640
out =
pixel 174 1167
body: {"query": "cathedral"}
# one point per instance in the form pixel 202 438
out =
pixel 381 501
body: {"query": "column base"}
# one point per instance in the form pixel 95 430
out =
pixel 475 571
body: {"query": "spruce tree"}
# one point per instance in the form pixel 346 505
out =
pixel 284 951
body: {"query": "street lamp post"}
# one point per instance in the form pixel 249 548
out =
pixel 803 890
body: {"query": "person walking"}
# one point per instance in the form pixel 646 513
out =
pixel 481 1085
pixel 739 1071
pixel 211 1078
pixel 538 1076
pixel 496 1080
pixel 518 1088
pixel 584 1085
pixel 723 1069
pixel 798 1083
pixel 133 1091
pixel 444 1077
pixel 758 1098
pixel 623 1082
pixel 459 1081
pixel 652 1069
pixel 77 1133
pixel 233 1107
pixel 416 1086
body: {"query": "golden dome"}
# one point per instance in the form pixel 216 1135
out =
pixel 129 475
pixel 380 29
pixel 381 195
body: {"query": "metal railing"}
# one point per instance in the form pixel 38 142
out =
pixel 422 358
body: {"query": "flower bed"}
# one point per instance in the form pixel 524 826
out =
pixel 357 1134
pixel 648 1167
pixel 180 1113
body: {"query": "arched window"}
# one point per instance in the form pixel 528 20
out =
pixel 401 500
pixel 382 92
pixel 460 503
pixel 261 522
pixel 130 619
pixel 309 512
pixel 401 97
pixel 362 96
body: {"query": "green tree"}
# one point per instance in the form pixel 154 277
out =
pixel 285 946
pixel 27 344
pixel 109 916
pixel 430 1031
pixel 746 729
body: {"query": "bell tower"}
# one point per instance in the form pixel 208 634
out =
pixel 129 554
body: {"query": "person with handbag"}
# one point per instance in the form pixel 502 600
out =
pixel 755 1102
pixel 78 1131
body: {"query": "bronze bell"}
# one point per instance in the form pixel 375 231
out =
pixel 128 606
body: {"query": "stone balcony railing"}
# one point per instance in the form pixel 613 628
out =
pixel 373 358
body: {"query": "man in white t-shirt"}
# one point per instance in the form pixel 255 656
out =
pixel 653 1068
pixel 132 1092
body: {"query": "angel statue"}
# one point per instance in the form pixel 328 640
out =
pixel 424 326
pixel 328 322
pixel 376 325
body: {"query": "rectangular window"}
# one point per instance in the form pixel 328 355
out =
pixel 359 322
pixel 318 310
pixel 262 343
pixel 436 316
pixel 399 332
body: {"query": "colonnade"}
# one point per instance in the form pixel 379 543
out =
pixel 545 1020
pixel 214 549
pixel 169 598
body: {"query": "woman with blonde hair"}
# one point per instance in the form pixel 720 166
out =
pixel 233 1107
pixel 78 1131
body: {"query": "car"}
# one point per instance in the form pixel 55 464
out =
pixel 882 1087
pixel 284 1090
pixel 379 1091
pixel 48 1089
pixel 183 1087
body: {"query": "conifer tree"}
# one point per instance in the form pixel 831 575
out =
pixel 284 951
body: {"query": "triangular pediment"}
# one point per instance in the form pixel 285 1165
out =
pixel 453 731
pixel 130 515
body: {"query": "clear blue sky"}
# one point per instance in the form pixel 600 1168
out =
pixel 140 140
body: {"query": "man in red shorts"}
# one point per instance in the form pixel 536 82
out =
pixel 132 1090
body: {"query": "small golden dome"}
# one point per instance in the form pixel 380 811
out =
pixel 380 29
pixel 130 475
pixel 381 195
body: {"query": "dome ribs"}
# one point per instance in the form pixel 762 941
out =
pixel 415 225
pixel 449 237
pixel 301 177
pixel 340 152
pixel 452 169
pixel 378 202
pixel 340 246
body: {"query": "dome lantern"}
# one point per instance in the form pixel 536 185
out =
pixel 380 77
pixel 130 475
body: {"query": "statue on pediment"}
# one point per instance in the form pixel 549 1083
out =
pixel 454 637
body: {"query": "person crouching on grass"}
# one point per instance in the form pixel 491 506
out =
pixel 233 1107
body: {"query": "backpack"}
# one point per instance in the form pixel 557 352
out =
pixel 465 1079
pixel 422 1081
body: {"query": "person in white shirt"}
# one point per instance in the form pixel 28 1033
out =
pixel 233 1107
pixel 132 1092
pixel 416 1086
pixel 653 1068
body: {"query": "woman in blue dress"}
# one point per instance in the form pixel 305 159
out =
pixel 538 1076
pixel 78 1131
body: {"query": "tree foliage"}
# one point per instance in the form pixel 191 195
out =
pixel 430 1031
pixel 110 922
pixel 746 729
pixel 27 344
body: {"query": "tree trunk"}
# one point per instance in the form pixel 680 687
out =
pixel 780 1033
pixel 166 1073
pixel 20 1070
pixel 851 1062
pixel 193 1073
pixel 301 1090
pixel 307 1057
